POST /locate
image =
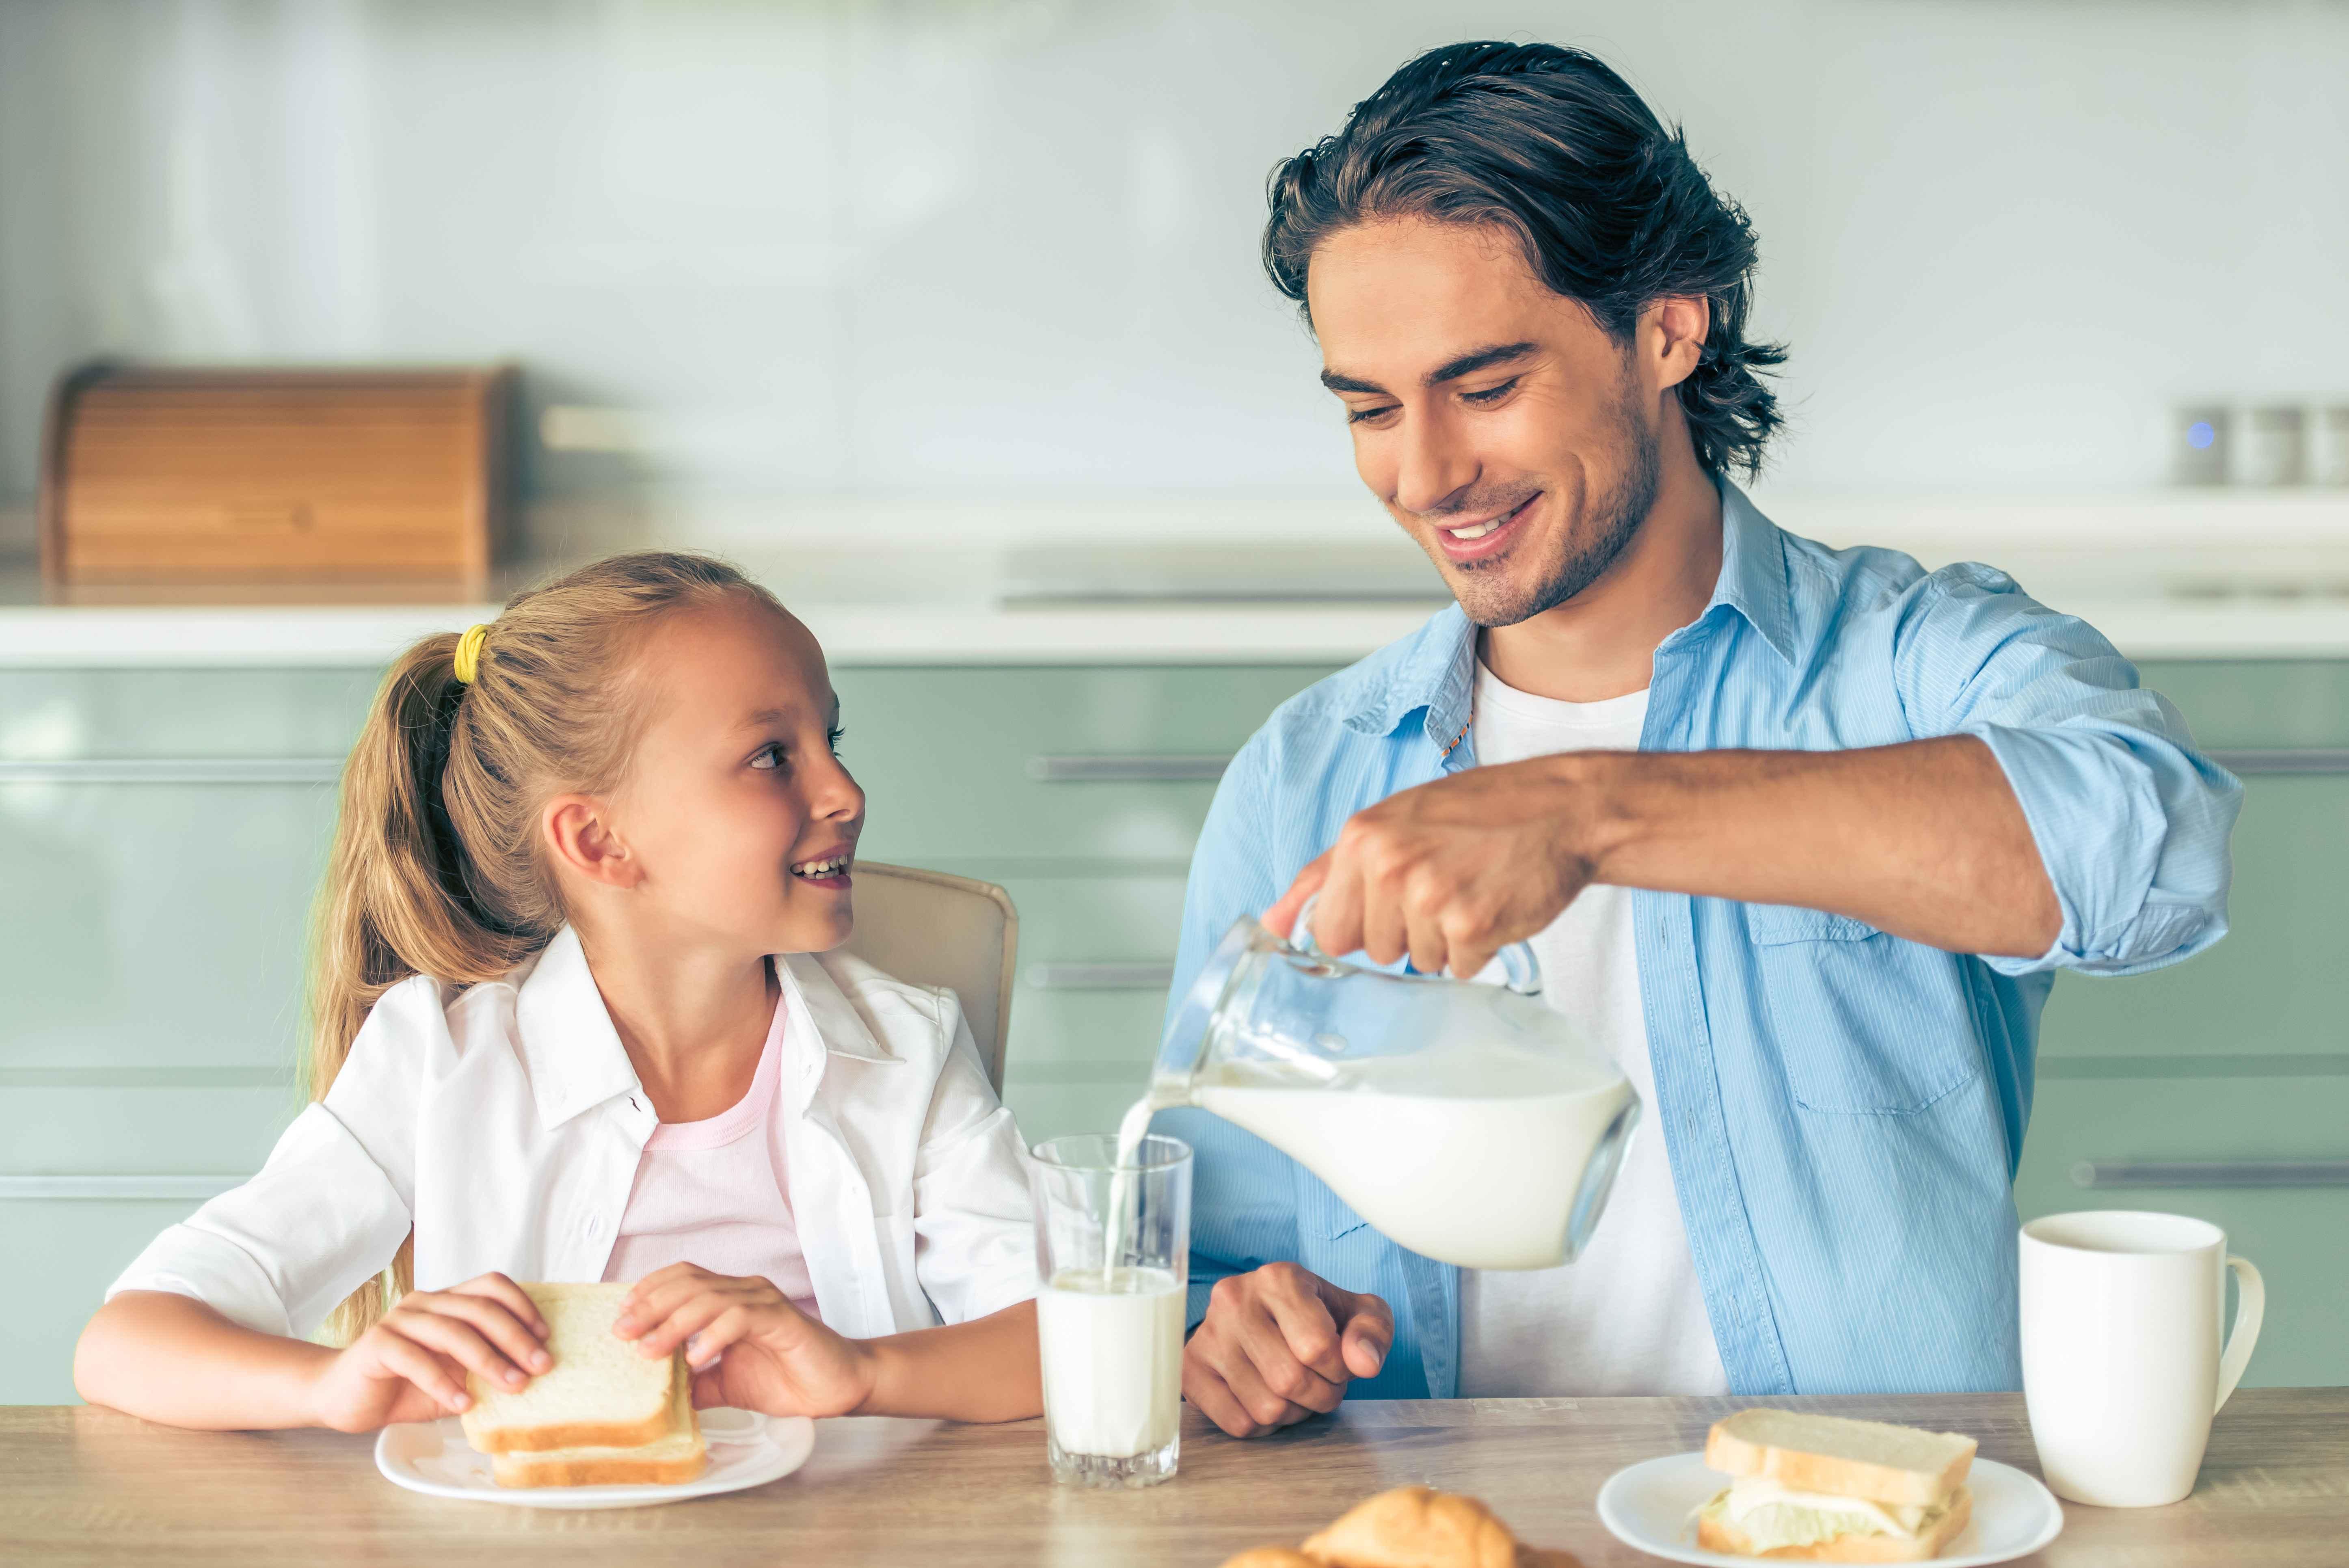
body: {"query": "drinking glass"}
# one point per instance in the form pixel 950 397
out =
pixel 1113 1260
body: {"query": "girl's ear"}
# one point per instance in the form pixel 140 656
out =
pixel 579 835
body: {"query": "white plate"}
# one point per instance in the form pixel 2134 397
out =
pixel 746 1449
pixel 1649 1506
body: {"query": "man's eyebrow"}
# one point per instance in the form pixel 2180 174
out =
pixel 1337 383
pixel 1478 359
pixel 1452 369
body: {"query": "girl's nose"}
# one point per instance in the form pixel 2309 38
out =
pixel 837 796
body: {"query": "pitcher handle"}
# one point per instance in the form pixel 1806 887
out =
pixel 1520 970
pixel 2251 1305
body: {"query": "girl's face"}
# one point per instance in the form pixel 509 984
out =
pixel 738 820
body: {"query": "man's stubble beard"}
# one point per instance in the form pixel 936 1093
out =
pixel 1616 517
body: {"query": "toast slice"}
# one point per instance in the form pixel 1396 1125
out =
pixel 1899 1466
pixel 1719 1535
pixel 679 1456
pixel 598 1394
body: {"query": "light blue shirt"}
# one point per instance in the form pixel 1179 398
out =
pixel 1843 1109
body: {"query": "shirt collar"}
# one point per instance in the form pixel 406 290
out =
pixel 1436 670
pixel 574 1053
pixel 1754 572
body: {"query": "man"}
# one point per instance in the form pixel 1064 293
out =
pixel 1799 835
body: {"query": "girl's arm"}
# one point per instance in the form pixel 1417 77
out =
pixel 170 1358
pixel 984 1371
pixel 174 1359
pixel 750 1348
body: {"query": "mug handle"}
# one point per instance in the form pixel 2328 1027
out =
pixel 2251 1305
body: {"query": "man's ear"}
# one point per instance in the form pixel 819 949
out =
pixel 579 835
pixel 1672 338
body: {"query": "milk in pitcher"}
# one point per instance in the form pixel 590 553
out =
pixel 1474 1158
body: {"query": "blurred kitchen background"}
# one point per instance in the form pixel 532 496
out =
pixel 945 318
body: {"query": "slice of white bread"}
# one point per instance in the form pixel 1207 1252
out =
pixel 1871 1460
pixel 679 1456
pixel 600 1393
pixel 1720 1535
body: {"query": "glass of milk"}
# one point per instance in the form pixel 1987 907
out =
pixel 1112 1256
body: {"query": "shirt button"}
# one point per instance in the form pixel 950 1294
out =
pixel 593 1228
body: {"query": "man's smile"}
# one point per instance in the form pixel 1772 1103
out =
pixel 1483 537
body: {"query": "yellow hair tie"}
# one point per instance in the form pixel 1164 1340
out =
pixel 468 652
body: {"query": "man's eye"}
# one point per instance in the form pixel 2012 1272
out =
pixel 1364 416
pixel 1490 395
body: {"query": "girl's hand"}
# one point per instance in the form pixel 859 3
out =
pixel 749 1347
pixel 411 1365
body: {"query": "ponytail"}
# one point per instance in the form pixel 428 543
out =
pixel 436 867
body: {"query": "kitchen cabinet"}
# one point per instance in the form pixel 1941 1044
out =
pixel 163 828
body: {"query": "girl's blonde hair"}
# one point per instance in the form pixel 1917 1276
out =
pixel 436 868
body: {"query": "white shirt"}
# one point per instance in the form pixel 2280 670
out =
pixel 505 1124
pixel 1626 1317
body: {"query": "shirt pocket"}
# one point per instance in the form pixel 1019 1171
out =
pixel 1865 1023
pixel 1321 1212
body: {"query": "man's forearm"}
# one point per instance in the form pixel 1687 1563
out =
pixel 1924 839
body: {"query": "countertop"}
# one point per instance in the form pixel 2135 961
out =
pixel 1214 579
pixel 80 1485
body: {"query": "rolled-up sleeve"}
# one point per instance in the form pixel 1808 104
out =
pixel 2130 821
pixel 277 1254
pixel 332 1203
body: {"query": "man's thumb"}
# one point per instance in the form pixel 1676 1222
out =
pixel 1367 1333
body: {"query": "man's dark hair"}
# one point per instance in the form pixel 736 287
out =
pixel 1548 143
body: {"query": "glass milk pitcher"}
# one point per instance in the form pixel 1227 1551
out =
pixel 1469 1122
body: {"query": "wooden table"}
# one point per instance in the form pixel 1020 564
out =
pixel 80 1485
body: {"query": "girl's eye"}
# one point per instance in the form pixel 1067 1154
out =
pixel 769 757
pixel 1491 395
pixel 833 737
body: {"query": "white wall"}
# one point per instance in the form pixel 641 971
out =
pixel 974 246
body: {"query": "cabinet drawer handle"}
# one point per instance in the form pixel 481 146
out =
pixel 1100 976
pixel 2284 759
pixel 2211 1174
pixel 116 1186
pixel 176 771
pixel 1126 769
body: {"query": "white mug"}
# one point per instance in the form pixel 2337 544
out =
pixel 2121 1364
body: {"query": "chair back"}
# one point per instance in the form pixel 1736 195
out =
pixel 934 929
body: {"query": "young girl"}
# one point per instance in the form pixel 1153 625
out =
pixel 579 1016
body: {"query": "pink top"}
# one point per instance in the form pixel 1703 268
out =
pixel 715 1192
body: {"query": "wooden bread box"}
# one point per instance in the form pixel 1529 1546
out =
pixel 153 474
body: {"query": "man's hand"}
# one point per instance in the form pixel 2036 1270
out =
pixel 1278 1344
pixel 1452 872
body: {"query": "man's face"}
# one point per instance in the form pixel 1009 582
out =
pixel 1500 425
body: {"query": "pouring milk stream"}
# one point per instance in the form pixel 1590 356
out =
pixel 1469 1122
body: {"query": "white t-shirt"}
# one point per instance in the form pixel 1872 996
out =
pixel 1627 1318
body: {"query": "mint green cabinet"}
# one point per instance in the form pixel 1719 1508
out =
pixel 163 831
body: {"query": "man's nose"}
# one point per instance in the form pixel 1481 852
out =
pixel 1436 465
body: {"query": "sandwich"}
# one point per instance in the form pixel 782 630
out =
pixel 1826 1489
pixel 602 1415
